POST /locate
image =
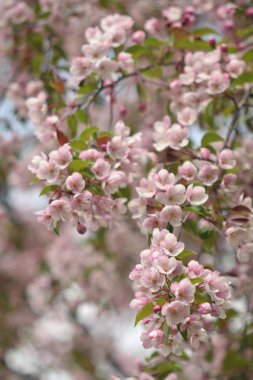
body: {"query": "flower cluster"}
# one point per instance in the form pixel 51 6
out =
pixel 86 189
pixel 205 75
pixel 175 295
pixel 96 56
pixel 176 17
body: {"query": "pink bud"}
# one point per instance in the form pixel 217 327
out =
pixel 138 36
pixel 122 111
pixel 241 46
pixel 249 12
pixel 157 308
pixel 81 229
pixel 152 25
pixel 142 107
pixel 224 48
pixel 212 42
pixel 204 308
pixel 205 153
pixel 229 25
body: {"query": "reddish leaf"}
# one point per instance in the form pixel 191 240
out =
pixel 61 137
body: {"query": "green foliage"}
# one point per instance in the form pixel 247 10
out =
pixel 144 312
pixel 87 133
pixel 186 255
pixel 78 166
pixel 48 188
pixel 209 138
pixel 73 124
pixel 82 116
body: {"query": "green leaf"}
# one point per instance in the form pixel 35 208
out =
pixel 78 166
pixel 204 31
pixel 204 233
pixel 138 51
pixel 78 144
pixel 193 45
pixel 72 123
pixel 248 56
pixel 48 188
pixel 57 228
pixel 200 210
pixel 87 87
pixel 246 32
pixel 82 116
pixel 155 72
pixel 191 226
pixel 186 255
pixel 34 181
pixel 169 227
pixel 142 92
pixel 164 368
pixel 144 312
pixel 153 42
pixel 197 280
pixel 209 138
pixel 244 78
pixel 88 133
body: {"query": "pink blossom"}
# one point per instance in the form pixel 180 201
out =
pixel 185 291
pixel 140 300
pixel 177 137
pixel 81 202
pixel 125 61
pixel 187 116
pixel 48 170
pixel 218 82
pixel 208 174
pixel 163 178
pixel 152 279
pixel 217 287
pixel 152 25
pixel 101 169
pixel 151 222
pixel 91 154
pixel 172 214
pixel 115 180
pixel 152 338
pixel 61 157
pixel 235 67
pixel 194 269
pixel 204 308
pixel 165 265
pixel 226 159
pixel 174 195
pixel 117 148
pixel 175 312
pixel 173 15
pixel 166 242
pixel 161 134
pixel 187 171
pixel 75 183
pixel 45 218
pixel 196 195
pixel 116 21
pixel 147 188
pixel 228 183
pixel 138 36
pixel 59 209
